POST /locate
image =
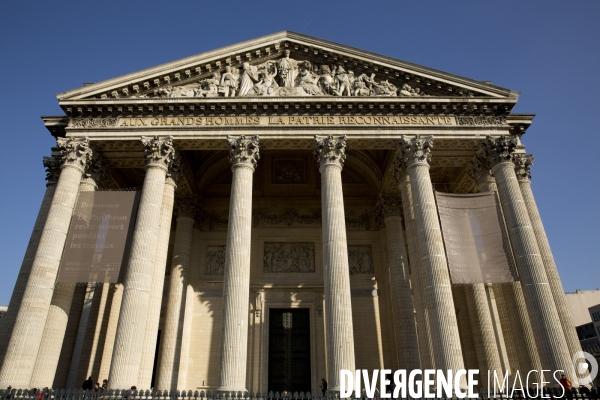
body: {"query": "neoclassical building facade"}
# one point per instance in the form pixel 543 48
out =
pixel 287 227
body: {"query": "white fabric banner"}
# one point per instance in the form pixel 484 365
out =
pixel 473 238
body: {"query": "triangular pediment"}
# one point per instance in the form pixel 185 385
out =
pixel 287 64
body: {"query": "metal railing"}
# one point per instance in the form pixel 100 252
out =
pixel 74 394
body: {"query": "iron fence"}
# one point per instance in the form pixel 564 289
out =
pixel 74 394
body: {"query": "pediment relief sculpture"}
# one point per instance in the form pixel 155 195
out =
pixel 288 77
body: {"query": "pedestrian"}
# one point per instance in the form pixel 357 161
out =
pixel 324 386
pixel 132 392
pixel 97 387
pixel 567 385
pixel 88 385
pixel 104 385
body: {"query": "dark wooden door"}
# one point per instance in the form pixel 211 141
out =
pixel 289 350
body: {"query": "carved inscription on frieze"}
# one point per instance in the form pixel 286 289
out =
pixel 284 257
pixel 266 121
pixel 360 259
pixel 215 260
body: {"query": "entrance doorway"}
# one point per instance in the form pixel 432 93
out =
pixel 289 350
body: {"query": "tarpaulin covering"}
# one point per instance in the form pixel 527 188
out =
pixel 99 237
pixel 473 238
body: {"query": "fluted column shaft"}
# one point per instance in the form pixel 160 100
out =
pixel 436 279
pixel 550 266
pixel 402 304
pixel 545 321
pixel 330 153
pixel 24 343
pixel 423 336
pixel 52 165
pixel 158 281
pixel 236 284
pixel 170 347
pixel 56 323
pixel 488 354
pixel 127 351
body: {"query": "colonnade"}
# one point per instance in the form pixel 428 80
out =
pixel 425 329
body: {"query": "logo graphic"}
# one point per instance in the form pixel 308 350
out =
pixel 581 367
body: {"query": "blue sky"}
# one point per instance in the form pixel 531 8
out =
pixel 547 50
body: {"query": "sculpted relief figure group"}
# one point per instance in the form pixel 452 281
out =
pixel 288 77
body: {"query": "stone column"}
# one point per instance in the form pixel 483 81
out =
pixel 24 343
pixel 127 351
pixel 330 153
pixel 52 165
pixel 414 158
pixel 158 276
pixel 517 328
pixel 488 354
pixel 170 346
pixel 58 315
pixel 523 164
pixel 549 336
pixel 389 210
pixel 425 349
pixel 186 335
pixel 243 155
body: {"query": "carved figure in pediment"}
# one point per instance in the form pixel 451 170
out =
pixel 363 86
pixel 326 80
pixel 249 78
pixel 308 81
pixel 406 90
pixel 164 91
pixel 266 86
pixel 210 86
pixel 229 82
pixel 288 70
pixel 343 83
pixel 385 88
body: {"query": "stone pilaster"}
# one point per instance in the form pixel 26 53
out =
pixel 24 343
pixel 52 165
pixel 414 157
pixel 127 351
pixel 53 338
pixel 170 347
pixel 243 155
pixel 425 349
pixel 158 276
pixel 330 154
pixel 549 336
pixel 389 211
pixel 523 164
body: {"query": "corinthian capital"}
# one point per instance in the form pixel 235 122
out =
pixel 499 150
pixel 52 165
pixel 478 168
pixel 96 169
pixel 75 151
pixel 159 151
pixel 412 152
pixel 389 205
pixel 523 163
pixel 175 171
pixel 187 206
pixel 330 150
pixel 243 151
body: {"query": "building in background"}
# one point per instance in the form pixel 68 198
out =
pixel 579 302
